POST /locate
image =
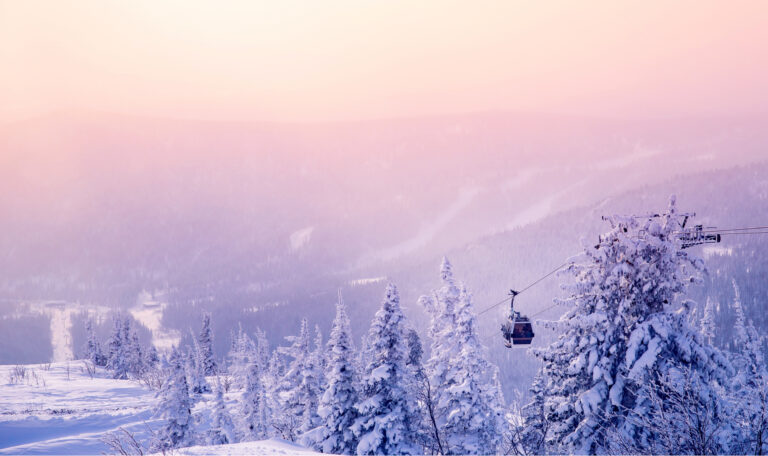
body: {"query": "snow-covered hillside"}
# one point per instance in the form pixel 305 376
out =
pixel 60 408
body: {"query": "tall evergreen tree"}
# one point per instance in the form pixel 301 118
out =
pixel 241 355
pixel 385 423
pixel 194 367
pixel 175 408
pixel 205 344
pixel 471 414
pixel 750 384
pixel 117 361
pixel 93 350
pixel 261 351
pixel 337 404
pixel 535 424
pixel 620 336
pixel 222 431
pixel 255 422
pixel 293 390
pixel 467 416
pixel 134 352
pixel 708 322
pixel 312 386
pixel 151 357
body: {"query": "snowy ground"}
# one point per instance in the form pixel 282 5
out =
pixel 266 447
pixel 59 408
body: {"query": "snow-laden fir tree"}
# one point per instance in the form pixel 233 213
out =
pixel 151 357
pixel 93 350
pixel 708 322
pixel 415 350
pixel 134 351
pixel 620 335
pixel 532 436
pixel 467 412
pixel 364 354
pixel 337 404
pixel 174 408
pixel 222 431
pixel 261 348
pixel 320 358
pixel 194 369
pixel 385 424
pixel 293 392
pixel 242 353
pixel 471 414
pixel 254 419
pixel 205 347
pixel 117 358
pixel 419 387
pixel 750 384
pixel 312 385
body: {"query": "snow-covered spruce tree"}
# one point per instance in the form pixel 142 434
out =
pixel 134 352
pixel 151 357
pixel 93 350
pixel 254 420
pixel 117 361
pixel 531 439
pixel 708 323
pixel 320 358
pixel 364 354
pixel 750 384
pixel 620 334
pixel 261 348
pixel 292 391
pixel 441 306
pixel 205 347
pixel 419 387
pixel 337 404
pixel 468 416
pixel 313 385
pixel 680 415
pixel 194 369
pixel 470 403
pixel 240 356
pixel 222 431
pixel 415 349
pixel 385 424
pixel 174 407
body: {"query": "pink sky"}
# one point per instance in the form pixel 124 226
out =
pixel 327 60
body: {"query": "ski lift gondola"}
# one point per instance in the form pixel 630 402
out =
pixel 518 329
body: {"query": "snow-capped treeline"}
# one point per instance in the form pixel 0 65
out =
pixel 379 398
pixel 632 370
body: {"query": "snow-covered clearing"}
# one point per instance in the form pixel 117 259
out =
pixel 59 409
pixel 149 312
pixel 271 446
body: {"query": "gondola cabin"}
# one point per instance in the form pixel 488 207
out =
pixel 517 331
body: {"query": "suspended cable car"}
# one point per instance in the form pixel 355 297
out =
pixel 518 329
